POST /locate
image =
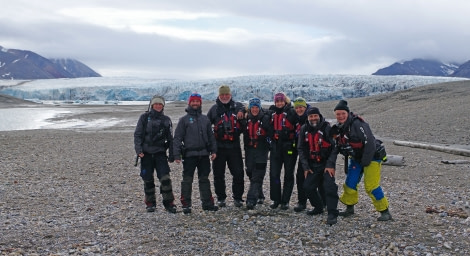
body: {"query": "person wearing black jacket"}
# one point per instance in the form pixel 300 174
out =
pixel 256 133
pixel 224 116
pixel 354 140
pixel 315 145
pixel 283 151
pixel 194 142
pixel 152 137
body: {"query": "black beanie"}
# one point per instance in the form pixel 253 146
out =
pixel 342 105
pixel 313 110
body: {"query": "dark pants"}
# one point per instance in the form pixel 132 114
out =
pixel 256 162
pixel 233 158
pixel 302 196
pixel 203 170
pixel 312 183
pixel 158 162
pixel 282 154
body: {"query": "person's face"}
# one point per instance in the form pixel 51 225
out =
pixel 157 107
pixel 280 103
pixel 341 116
pixel 313 119
pixel 254 110
pixel 225 98
pixel 195 104
pixel 300 110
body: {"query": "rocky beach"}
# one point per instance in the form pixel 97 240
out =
pixel 77 191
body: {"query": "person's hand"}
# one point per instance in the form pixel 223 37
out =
pixel 306 172
pixel 141 155
pixel 213 156
pixel 330 171
pixel 178 161
pixel 240 115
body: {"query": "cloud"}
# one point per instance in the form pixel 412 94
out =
pixel 203 39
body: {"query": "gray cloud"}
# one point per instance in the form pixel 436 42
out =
pixel 350 37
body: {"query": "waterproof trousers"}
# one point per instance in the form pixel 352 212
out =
pixel 233 159
pixel 159 163
pixel 372 186
pixel 301 194
pixel 282 154
pixel 256 163
pixel 203 170
pixel 313 182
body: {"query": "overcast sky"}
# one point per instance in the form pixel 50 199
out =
pixel 190 39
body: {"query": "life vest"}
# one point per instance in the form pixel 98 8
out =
pixel 226 127
pixel 283 128
pixel 317 145
pixel 254 132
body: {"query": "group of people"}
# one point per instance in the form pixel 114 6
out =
pixel 285 135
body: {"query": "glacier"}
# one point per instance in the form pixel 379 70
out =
pixel 314 88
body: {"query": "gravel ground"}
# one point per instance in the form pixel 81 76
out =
pixel 77 192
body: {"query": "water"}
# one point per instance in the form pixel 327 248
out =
pixel 12 119
pixel 15 119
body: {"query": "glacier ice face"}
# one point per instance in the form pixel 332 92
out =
pixel 312 87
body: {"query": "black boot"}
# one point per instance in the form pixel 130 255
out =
pixel 348 212
pixel 170 207
pixel 299 207
pixel 385 215
pixel 332 219
pixel 274 205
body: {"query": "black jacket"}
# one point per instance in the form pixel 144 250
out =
pixel 265 119
pixel 291 116
pixel 215 114
pixel 153 134
pixel 357 131
pixel 193 135
pixel 303 146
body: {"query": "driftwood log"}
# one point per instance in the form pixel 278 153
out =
pixel 450 150
pixel 455 161
pixel 394 160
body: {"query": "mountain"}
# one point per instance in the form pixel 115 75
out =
pixel 463 70
pixel 418 67
pixel 22 64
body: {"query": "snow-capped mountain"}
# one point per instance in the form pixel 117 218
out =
pixel 419 67
pixel 311 87
pixel 21 64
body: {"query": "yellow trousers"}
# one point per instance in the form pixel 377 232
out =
pixel 371 175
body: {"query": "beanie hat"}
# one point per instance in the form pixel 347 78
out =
pixel 254 102
pixel 195 96
pixel 280 96
pixel 299 101
pixel 342 105
pixel 313 110
pixel 157 99
pixel 224 89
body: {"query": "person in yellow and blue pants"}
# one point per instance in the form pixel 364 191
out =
pixel 354 139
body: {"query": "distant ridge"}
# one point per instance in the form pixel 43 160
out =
pixel 422 67
pixel 21 64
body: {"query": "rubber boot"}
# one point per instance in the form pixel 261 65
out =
pixel 206 194
pixel 167 193
pixel 385 215
pixel 150 199
pixel 332 219
pixel 186 191
pixel 348 212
